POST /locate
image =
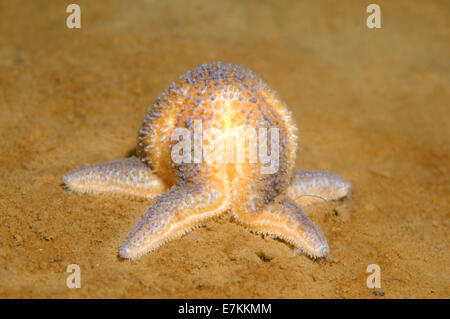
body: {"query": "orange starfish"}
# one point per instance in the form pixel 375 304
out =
pixel 185 192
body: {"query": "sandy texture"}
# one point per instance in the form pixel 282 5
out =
pixel 371 105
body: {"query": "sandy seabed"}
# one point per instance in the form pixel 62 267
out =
pixel 371 104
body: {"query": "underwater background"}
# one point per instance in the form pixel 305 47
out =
pixel 372 105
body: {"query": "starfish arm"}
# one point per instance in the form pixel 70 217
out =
pixel 308 187
pixel 287 221
pixel 171 215
pixel 129 177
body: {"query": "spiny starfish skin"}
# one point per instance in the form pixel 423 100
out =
pixel 184 195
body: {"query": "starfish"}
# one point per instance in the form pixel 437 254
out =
pixel 184 193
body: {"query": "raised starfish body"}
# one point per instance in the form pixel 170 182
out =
pixel 184 194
